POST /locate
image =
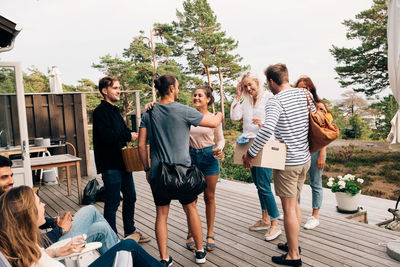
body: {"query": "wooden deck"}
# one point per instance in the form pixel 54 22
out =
pixel 336 242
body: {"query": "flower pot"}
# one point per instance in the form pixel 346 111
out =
pixel 346 203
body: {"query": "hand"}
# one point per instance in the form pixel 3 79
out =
pixel 148 177
pixel 149 106
pixel 239 90
pixel 217 153
pixel 76 245
pixel 321 162
pixel 257 121
pixel 247 161
pixel 134 136
pixel 65 221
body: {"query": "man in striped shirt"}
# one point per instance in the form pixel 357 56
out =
pixel 286 117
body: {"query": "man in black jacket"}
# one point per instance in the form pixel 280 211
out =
pixel 110 135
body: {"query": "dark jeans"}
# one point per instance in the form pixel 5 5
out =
pixel 139 256
pixel 114 182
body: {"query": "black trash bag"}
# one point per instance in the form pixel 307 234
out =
pixel 90 191
pixel 101 195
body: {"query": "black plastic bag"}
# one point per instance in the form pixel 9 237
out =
pixel 90 191
pixel 101 195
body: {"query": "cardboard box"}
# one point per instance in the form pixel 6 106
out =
pixel 273 155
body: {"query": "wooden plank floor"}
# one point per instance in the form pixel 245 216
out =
pixel 336 242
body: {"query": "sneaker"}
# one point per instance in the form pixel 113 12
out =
pixel 259 225
pixel 200 256
pixel 283 261
pixel 167 263
pixel 272 233
pixel 311 223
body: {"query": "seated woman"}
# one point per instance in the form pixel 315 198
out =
pixel 22 212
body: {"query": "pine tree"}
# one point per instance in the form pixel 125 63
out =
pixel 365 67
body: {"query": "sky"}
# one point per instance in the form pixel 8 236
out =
pixel 73 35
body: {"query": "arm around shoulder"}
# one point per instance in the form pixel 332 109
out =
pixel 211 121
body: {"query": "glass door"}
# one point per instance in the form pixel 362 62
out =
pixel 14 142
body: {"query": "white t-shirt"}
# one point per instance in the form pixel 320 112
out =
pixel 47 261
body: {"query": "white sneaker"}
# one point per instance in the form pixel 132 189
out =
pixel 311 223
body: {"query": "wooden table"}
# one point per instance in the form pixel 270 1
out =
pixel 63 160
pixel 16 151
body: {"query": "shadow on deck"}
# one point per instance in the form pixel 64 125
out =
pixel 336 242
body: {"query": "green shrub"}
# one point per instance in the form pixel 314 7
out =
pixel 234 171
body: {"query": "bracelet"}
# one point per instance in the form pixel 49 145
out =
pixel 147 170
pixel 55 253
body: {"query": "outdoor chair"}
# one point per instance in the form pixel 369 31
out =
pixel 83 259
pixel 3 261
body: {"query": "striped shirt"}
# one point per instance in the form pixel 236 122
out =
pixel 286 117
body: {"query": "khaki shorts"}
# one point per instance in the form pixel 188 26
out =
pixel 288 182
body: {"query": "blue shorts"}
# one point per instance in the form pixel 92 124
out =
pixel 204 160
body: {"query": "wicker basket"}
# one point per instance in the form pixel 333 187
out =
pixel 132 162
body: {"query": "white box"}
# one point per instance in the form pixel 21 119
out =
pixel 273 155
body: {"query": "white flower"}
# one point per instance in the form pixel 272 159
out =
pixel 342 184
pixel 331 179
pixel 329 184
pixel 340 177
pixel 349 177
pixel 360 180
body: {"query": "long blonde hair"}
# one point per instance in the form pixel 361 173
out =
pixel 260 91
pixel 19 233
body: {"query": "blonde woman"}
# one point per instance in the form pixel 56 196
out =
pixel 249 105
pixel 22 212
pixel 204 152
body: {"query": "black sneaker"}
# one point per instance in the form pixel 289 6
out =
pixel 167 263
pixel 200 256
pixel 281 260
pixel 284 247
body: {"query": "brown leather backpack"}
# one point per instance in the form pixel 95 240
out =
pixel 321 131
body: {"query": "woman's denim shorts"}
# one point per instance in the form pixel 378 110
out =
pixel 204 160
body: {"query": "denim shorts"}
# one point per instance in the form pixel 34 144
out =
pixel 204 160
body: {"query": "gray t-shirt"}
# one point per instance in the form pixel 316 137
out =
pixel 172 127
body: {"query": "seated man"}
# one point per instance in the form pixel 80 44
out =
pixel 87 220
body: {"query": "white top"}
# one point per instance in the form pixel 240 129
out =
pixel 288 118
pixel 47 261
pixel 246 111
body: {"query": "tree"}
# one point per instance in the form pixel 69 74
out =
pixel 196 26
pixel 7 80
pixel 386 108
pixel 125 72
pixel 36 81
pixel 207 49
pixel 352 103
pixel 365 67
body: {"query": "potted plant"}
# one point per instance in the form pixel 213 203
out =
pixel 347 190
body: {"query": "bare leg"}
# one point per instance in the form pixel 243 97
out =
pixel 209 200
pixel 162 230
pixel 292 220
pixel 315 213
pixel 194 223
